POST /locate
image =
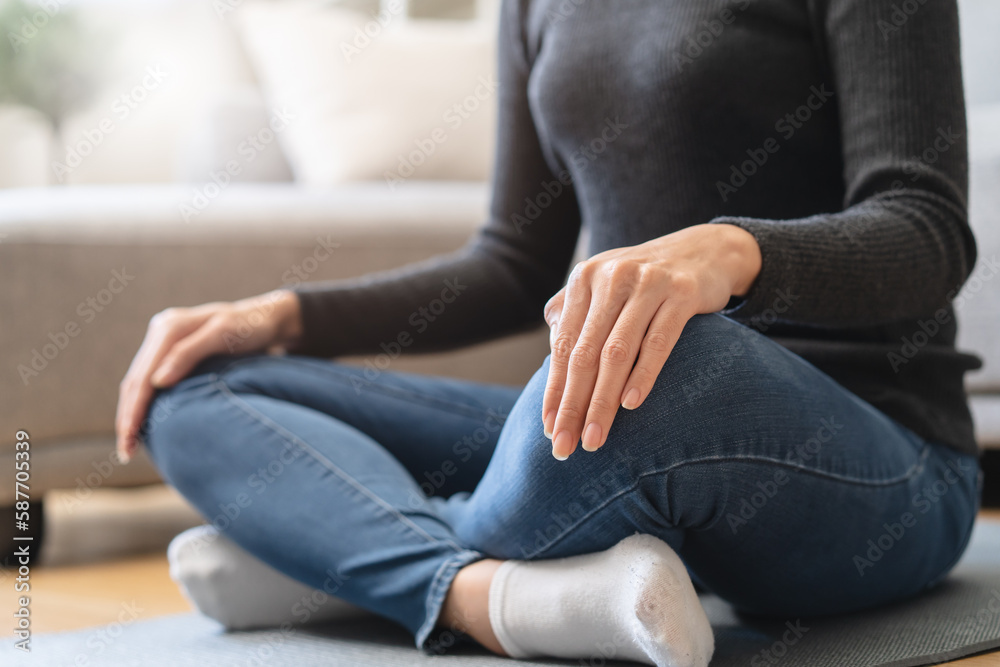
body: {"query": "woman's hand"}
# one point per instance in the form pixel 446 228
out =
pixel 631 303
pixel 178 338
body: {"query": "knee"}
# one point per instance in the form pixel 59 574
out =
pixel 177 429
pixel 528 499
pixel 711 353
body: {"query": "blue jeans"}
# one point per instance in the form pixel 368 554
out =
pixel 784 493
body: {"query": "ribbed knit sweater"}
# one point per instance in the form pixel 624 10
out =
pixel 831 130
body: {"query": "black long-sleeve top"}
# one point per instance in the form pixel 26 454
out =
pixel 832 130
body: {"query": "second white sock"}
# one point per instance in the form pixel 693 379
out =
pixel 230 585
pixel 634 601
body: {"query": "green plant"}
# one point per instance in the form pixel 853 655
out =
pixel 46 59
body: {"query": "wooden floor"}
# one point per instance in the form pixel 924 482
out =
pixel 82 596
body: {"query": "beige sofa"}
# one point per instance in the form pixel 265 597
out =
pixel 83 269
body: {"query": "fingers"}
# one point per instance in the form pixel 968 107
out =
pixel 131 420
pixel 126 423
pixel 136 390
pixel 582 371
pixel 186 353
pixel 553 310
pixel 658 343
pixel 619 354
pixel 609 344
pixel 572 315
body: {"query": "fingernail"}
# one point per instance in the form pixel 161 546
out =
pixel 546 418
pixel 561 443
pixel 546 431
pixel 631 401
pixel 592 437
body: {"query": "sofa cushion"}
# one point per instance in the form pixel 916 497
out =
pixel 162 64
pixel 375 98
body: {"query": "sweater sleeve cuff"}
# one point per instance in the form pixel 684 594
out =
pixel 771 286
pixel 317 309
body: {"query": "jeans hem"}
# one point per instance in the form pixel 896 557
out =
pixel 439 589
pixel 976 506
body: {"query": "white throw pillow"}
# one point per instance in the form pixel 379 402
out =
pixel 371 98
pixel 165 61
pixel 225 137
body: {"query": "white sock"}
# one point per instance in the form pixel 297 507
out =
pixel 230 585
pixel 634 601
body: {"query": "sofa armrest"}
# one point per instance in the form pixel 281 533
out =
pixel 84 269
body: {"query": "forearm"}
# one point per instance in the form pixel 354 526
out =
pixel 455 300
pixel 886 259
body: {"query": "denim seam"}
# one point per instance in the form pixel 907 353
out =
pixel 237 361
pixel 915 469
pixel 908 474
pixel 293 439
pixel 389 391
pixel 440 584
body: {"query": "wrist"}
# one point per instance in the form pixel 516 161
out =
pixel 288 316
pixel 742 257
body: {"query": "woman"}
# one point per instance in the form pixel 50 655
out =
pixel 757 358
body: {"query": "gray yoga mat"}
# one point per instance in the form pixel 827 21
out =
pixel 958 618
